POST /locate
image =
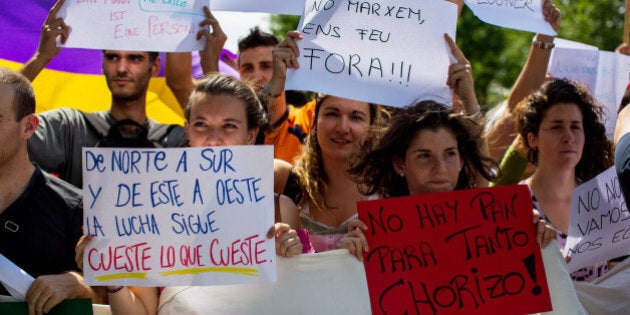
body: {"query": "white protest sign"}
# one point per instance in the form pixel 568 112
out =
pixel 575 64
pixel 525 15
pixel 186 216
pixel 292 7
pixel 606 73
pixel 143 25
pixel 565 43
pixel 612 78
pixel 599 226
pixel 389 52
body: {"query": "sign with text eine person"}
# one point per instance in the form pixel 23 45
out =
pixel 179 216
pixel 144 25
pixel 463 252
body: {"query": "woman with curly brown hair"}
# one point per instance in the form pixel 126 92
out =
pixel 427 149
pixel 319 182
pixel 565 139
pixel 383 171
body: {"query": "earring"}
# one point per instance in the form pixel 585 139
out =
pixel 402 174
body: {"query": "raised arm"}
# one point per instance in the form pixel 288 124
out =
pixel 460 79
pixel 532 76
pixel 534 71
pixel 178 73
pixel 214 43
pixel 284 57
pixel 47 49
pixel 179 65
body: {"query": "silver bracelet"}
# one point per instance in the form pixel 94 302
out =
pixel 476 116
pixel 543 45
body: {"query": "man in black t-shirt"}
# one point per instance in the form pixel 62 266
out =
pixel 40 215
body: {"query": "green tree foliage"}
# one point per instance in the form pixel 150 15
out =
pixel 498 54
pixel 281 24
pixel 597 23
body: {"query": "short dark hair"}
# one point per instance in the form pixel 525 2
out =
pixel 24 96
pixel 257 38
pixel 152 55
pixel 220 84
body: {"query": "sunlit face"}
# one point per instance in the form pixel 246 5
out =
pixel 256 65
pixel 128 73
pixel 432 162
pixel 218 120
pixel 342 125
pixel 560 140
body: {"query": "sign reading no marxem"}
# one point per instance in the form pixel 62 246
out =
pixel 599 227
pixel 389 52
pixel 471 251
pixel 163 217
pixel 153 25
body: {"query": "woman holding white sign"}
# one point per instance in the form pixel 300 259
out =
pixel 567 142
pixel 222 111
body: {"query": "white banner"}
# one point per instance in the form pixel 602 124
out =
pixel 193 216
pixel 328 283
pixel 389 52
pixel 143 25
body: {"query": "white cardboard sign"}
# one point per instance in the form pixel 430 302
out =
pixel 599 227
pixel 180 216
pixel 143 25
pixel 389 52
